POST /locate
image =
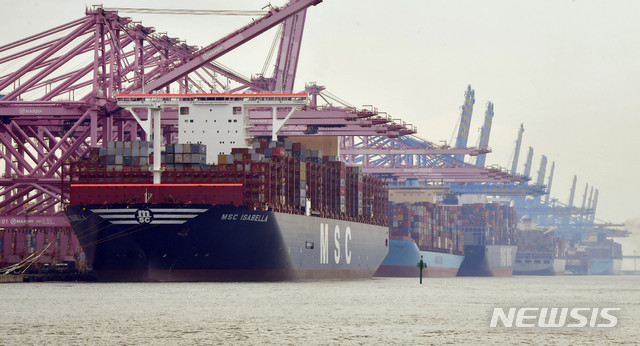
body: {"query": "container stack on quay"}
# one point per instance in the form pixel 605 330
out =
pixel 488 224
pixel 433 227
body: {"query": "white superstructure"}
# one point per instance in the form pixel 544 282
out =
pixel 220 121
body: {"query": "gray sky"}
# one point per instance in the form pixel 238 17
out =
pixel 564 69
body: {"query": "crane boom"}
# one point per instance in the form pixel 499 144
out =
pixel 553 166
pixel 589 204
pixel 485 133
pixel 542 170
pixel 595 205
pixel 573 191
pixel 527 165
pixel 465 120
pixel 228 43
pixel 584 196
pixel 516 154
pixel 287 62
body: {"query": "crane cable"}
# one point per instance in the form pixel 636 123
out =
pixel 28 261
pixel 274 44
pixel 188 11
pixel 97 228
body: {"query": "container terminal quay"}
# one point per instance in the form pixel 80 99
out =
pixel 129 155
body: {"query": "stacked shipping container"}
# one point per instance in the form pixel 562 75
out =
pixel 124 156
pixel 535 244
pixel 433 227
pixel 577 261
pixel 488 224
pixel 604 248
pixel 284 176
pixel 280 176
pixel 447 229
pixel 183 156
pixel 133 156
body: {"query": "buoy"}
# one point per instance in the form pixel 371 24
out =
pixel 422 264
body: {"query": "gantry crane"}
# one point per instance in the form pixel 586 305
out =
pixel 485 132
pixel 54 106
pixel 517 186
pixel 52 110
pixel 409 157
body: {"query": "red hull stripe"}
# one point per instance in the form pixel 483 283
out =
pixel 150 185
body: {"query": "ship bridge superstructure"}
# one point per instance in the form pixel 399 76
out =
pixel 220 121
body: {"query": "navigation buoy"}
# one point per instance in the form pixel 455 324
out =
pixel 422 264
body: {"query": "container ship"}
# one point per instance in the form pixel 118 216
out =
pixel 605 257
pixel 423 230
pixel 265 211
pixel 489 239
pixel 540 252
pixel 594 254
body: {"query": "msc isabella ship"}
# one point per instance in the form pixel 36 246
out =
pixel 263 211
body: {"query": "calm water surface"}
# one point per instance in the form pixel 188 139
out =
pixel 376 311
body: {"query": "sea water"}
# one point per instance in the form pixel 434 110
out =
pixel 375 311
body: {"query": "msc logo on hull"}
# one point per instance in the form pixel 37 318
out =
pixel 144 216
pixel 337 253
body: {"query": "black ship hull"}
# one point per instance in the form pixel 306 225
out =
pixel 488 260
pixel 223 243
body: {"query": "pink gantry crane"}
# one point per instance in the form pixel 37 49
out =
pixel 60 102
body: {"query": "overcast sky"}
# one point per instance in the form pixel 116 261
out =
pixel 567 70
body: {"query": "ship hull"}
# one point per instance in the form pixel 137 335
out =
pixel 223 243
pixel 577 269
pixel 605 266
pixel 488 260
pixel 553 267
pixel 404 256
